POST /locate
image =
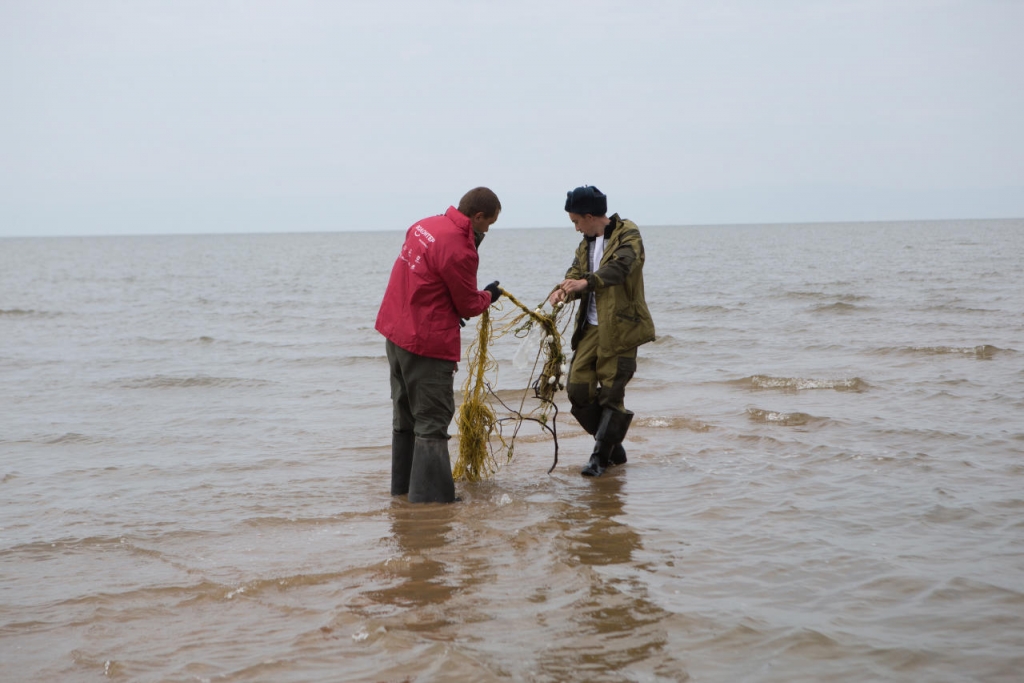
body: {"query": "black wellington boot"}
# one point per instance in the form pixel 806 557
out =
pixel 618 454
pixel 610 433
pixel 599 459
pixel 589 416
pixel 431 479
pixel 401 461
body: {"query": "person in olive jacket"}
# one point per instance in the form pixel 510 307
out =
pixel 607 277
pixel 432 287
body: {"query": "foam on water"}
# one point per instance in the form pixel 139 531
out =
pixel 803 383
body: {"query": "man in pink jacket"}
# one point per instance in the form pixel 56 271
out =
pixel 432 288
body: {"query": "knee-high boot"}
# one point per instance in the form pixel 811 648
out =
pixel 431 478
pixel 401 461
pixel 589 416
pixel 610 432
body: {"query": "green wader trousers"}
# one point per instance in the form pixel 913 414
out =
pixel 598 381
pixel 422 393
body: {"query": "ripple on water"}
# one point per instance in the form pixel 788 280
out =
pixel 191 382
pixel 979 352
pixel 783 419
pixel 795 384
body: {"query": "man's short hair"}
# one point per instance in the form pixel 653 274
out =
pixel 480 200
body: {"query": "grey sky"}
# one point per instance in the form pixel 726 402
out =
pixel 200 116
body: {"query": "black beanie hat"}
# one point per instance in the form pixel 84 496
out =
pixel 586 199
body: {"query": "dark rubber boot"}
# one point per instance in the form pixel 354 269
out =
pixel 600 458
pixel 621 426
pixel 610 433
pixel 401 461
pixel 431 479
pixel 588 416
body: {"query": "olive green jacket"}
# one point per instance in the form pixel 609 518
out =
pixel 624 322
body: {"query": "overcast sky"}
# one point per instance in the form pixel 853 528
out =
pixel 205 116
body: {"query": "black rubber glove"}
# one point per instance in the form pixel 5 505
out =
pixel 494 291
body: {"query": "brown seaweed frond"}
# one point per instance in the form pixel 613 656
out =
pixel 476 419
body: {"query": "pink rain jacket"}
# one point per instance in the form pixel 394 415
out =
pixel 432 285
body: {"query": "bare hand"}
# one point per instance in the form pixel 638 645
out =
pixel 573 286
pixel 565 289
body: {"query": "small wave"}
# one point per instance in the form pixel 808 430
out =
pixel 24 313
pixel 270 522
pixel 72 437
pixel 946 309
pixel 173 341
pixel 335 361
pixel 959 590
pixel 823 295
pixel 779 418
pixel 275 584
pixel 709 308
pixel 347 361
pixel 672 423
pixel 204 591
pixel 982 351
pixel 201 381
pixel 664 339
pixel 837 307
pixel 802 384
pixel 942 514
pixel 77 545
pixel 806 295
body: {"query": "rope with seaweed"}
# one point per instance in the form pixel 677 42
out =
pixel 476 420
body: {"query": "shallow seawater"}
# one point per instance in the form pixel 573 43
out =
pixel 825 476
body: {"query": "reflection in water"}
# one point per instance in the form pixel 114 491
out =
pixel 419 532
pixel 601 539
pixel 615 625
pixel 598 621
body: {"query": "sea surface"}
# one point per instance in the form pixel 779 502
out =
pixel 825 477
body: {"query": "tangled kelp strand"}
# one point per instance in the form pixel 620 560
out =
pixel 550 347
pixel 476 420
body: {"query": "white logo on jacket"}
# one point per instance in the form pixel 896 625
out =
pixel 409 252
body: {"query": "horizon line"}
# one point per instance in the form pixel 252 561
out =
pixel 530 227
